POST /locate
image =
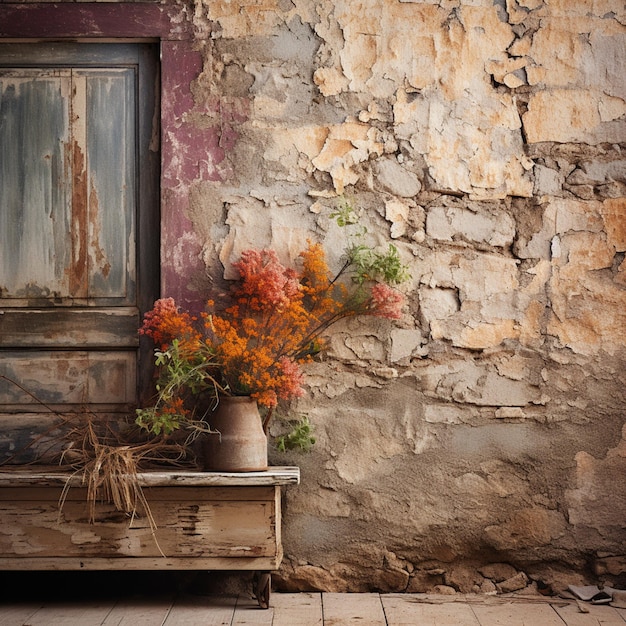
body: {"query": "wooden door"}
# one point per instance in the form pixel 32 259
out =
pixel 78 224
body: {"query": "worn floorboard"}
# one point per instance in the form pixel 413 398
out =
pixel 190 610
pixel 352 608
pixel 297 609
pixel 305 609
pixel 247 613
pixel 516 614
pixel 140 611
pixel 408 611
pixel 66 614
pixel 17 613
pixel 597 616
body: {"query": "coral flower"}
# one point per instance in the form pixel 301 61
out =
pixel 387 302
pixel 165 322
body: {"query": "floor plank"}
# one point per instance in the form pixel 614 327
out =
pixel 191 610
pixel 340 609
pixel 302 609
pixel 297 609
pixel 408 610
pixel 79 613
pixel 597 616
pixel 139 611
pixel 516 614
pixel 17 613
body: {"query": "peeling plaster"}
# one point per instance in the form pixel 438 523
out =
pixel 484 139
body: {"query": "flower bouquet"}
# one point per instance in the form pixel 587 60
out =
pixel 256 342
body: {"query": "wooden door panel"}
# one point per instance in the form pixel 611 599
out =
pixel 35 213
pixel 64 378
pixel 77 327
pixel 78 181
pixel 67 233
pixel 110 173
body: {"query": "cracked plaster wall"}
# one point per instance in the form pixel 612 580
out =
pixel 487 140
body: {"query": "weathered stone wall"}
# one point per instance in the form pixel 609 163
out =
pixel 487 140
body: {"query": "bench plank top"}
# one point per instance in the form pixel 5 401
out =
pixel 40 476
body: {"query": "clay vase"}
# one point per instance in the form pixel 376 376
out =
pixel 240 445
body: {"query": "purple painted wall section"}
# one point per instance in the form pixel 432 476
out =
pixel 91 20
pixel 189 154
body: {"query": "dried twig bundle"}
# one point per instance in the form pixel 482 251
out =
pixel 109 462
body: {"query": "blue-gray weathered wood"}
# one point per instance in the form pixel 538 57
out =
pixel 71 192
pixel 35 211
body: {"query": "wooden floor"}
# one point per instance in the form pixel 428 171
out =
pixel 305 609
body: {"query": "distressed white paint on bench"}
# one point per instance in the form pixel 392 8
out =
pixel 19 477
pixel 203 521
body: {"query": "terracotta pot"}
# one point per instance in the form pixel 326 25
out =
pixel 241 445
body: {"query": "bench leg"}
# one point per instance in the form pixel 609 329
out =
pixel 262 587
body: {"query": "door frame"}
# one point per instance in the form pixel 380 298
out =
pixel 179 36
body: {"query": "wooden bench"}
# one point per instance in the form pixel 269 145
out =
pixel 203 521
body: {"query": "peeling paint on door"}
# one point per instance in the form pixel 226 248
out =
pixel 68 223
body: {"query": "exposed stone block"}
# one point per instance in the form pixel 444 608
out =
pixel 614 565
pixel 455 223
pixel 548 182
pixel 517 582
pixel 395 178
pixel 528 527
pixel 498 572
